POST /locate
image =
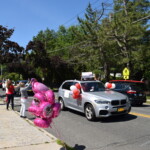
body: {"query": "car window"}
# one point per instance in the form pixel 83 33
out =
pixel 129 86
pixel 121 86
pixel 92 86
pixel 137 86
pixel 67 85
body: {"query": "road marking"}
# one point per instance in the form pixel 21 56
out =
pixel 141 115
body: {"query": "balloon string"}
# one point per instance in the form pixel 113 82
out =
pixel 59 135
pixel 57 132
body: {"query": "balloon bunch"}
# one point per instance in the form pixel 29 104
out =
pixel 109 85
pixel 43 106
pixel 76 91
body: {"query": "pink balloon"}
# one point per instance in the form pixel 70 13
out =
pixel 50 96
pixel 41 97
pixel 39 87
pixel 33 103
pixel 42 123
pixel 56 109
pixel 33 109
pixel 45 110
pixel 33 80
pixel 44 105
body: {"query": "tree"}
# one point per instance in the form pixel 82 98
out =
pixel 93 33
pixel 52 68
pixel 9 51
pixel 126 30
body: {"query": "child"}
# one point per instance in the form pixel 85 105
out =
pixel 24 98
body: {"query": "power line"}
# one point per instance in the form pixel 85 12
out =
pixel 107 5
pixel 78 13
pixel 141 19
pixel 85 9
pixel 70 46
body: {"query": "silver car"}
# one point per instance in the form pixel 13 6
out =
pixel 95 101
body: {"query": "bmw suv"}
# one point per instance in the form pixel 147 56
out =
pixel 95 101
pixel 133 89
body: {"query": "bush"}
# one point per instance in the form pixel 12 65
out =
pixel 13 76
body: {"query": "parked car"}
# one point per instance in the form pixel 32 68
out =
pixel 135 90
pixel 23 81
pixel 95 100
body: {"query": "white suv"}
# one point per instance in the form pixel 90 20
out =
pixel 95 100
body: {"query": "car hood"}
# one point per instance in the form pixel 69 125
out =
pixel 106 95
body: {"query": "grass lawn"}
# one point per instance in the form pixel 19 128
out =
pixel 148 97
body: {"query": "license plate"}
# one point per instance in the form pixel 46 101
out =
pixel 120 109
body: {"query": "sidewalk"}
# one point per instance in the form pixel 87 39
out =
pixel 20 134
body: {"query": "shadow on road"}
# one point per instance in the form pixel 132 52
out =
pixel 79 147
pixel 146 105
pixel 75 112
pixel 31 118
pixel 121 118
pixel 76 147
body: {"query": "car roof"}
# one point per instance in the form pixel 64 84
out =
pixel 22 81
pixel 81 81
pixel 127 81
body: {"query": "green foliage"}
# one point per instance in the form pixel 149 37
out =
pixel 64 145
pixel 9 50
pixel 99 44
pixel 14 76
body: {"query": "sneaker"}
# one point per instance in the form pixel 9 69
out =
pixel 23 116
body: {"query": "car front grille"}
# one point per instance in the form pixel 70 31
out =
pixel 118 102
pixel 123 101
pixel 115 102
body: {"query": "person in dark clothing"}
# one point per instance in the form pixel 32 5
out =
pixel 10 89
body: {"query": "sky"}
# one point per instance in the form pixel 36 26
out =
pixel 28 17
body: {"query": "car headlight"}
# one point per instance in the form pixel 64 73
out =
pixel 102 102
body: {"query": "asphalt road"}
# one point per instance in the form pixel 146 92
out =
pixel 131 132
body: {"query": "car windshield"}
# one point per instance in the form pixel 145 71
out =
pixel 92 86
pixel 137 86
pixel 130 86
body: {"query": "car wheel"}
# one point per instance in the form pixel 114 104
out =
pixel 62 104
pixel 89 112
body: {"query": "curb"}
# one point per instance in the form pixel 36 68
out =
pixel 40 129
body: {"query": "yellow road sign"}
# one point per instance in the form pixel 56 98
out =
pixel 126 72
pixel 126 77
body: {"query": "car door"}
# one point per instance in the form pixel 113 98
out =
pixel 66 93
pixel 75 103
